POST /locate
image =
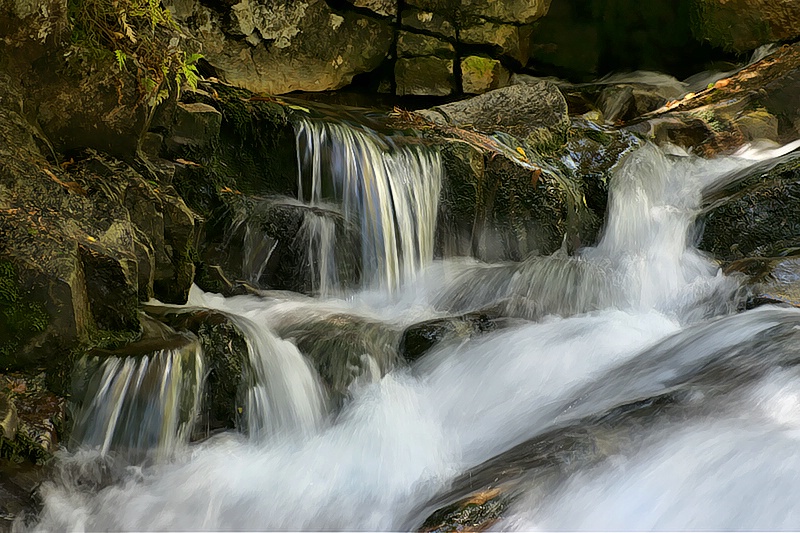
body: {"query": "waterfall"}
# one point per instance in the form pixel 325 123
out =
pixel 388 191
pixel 625 390
pixel 138 405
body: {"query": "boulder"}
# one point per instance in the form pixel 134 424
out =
pixel 281 46
pixel 511 41
pixel 511 11
pixel 416 44
pixel 742 25
pixel 757 216
pixel 482 74
pixel 387 8
pixel 535 113
pixel 419 339
pixel 428 21
pixel 431 76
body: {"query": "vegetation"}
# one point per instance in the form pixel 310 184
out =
pixel 20 319
pixel 142 36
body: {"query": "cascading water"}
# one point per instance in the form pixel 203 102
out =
pixel 140 405
pixel 390 193
pixel 641 319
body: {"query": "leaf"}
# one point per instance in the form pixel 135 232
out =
pixel 121 57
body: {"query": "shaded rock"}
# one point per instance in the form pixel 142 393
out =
pixel 513 11
pixel 429 22
pixel 511 41
pixel 416 44
pixel 195 124
pixel 424 76
pixel 742 25
pixel 26 22
pixel 31 418
pixel 482 74
pixel 387 8
pixel 535 113
pixel 279 47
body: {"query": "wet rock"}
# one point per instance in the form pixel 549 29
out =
pixel 773 280
pixel 225 356
pixel 279 47
pixel 344 349
pixel 429 22
pixel 535 113
pixel 416 44
pixel 710 121
pixel 18 484
pixel 419 339
pixel 482 74
pixel 430 76
pixel 757 215
pixel 742 25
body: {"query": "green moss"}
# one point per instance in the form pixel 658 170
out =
pixel 20 318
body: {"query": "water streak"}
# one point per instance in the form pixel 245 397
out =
pixel 390 192
pixel 141 405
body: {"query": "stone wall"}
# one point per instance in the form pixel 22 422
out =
pixel 443 48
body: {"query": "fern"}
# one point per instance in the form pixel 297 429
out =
pixel 121 58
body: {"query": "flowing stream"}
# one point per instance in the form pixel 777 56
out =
pixel 641 317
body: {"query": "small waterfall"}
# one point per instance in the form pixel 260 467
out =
pixel 281 391
pixel 138 405
pixel 390 192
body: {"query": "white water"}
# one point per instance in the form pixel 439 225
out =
pixel 138 405
pixel 640 314
pixel 389 192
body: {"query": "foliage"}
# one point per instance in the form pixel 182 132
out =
pixel 142 35
pixel 19 319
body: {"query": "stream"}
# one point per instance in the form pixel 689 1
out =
pixel 682 408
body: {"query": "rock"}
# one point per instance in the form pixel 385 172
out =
pixel 225 356
pixel 756 216
pixel 415 45
pixel 344 348
pixel 279 47
pixel 419 339
pixel 512 11
pixel 9 421
pixel 512 41
pixel 535 113
pixel 742 25
pixel 25 22
pixel 710 121
pixel 482 74
pixel 31 418
pixel 773 280
pixel 195 124
pixel 429 22
pixel 387 8
pixel 430 76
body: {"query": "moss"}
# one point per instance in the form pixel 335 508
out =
pixel 20 318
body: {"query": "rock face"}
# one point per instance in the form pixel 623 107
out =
pixel 742 25
pixel 281 46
